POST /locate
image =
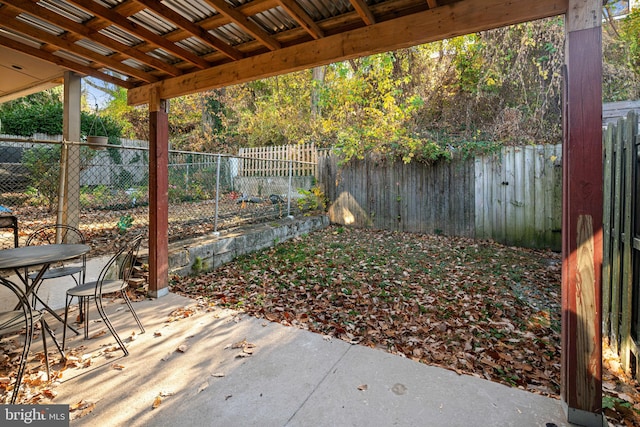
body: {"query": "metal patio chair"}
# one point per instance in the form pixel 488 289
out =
pixel 113 278
pixel 57 233
pixel 23 319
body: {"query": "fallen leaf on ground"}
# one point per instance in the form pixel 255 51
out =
pixel 98 334
pixel 239 344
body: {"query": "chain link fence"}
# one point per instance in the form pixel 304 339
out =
pixel 106 190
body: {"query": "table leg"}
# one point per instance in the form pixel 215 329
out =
pixel 33 291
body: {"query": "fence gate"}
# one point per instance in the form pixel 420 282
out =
pixel 621 241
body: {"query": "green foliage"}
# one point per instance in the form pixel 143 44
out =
pixel 197 265
pixel 99 195
pixel 124 223
pixel 43 164
pixel 27 119
pixel 630 34
pixel 312 200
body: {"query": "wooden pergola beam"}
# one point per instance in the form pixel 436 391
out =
pixel 458 19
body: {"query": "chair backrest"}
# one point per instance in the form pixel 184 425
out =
pixel 55 233
pixel 120 266
pixel 10 222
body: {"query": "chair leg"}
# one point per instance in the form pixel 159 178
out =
pixel 44 346
pixel 28 336
pixel 107 322
pixel 135 315
pixel 66 320
pixel 54 339
pixel 85 317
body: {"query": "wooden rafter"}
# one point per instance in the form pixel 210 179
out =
pixel 243 22
pixel 139 31
pixel 71 65
pixel 60 42
pixel 92 34
pixel 363 10
pixel 192 28
pixel 302 18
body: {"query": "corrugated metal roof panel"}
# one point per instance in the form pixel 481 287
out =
pixel 40 24
pixel 120 36
pixel 274 20
pixel 232 34
pixel 193 44
pixel 20 38
pixel 163 55
pixel 95 47
pixel 323 9
pixel 72 57
pixel 65 9
pixel 194 10
pixel 135 64
pixel 152 22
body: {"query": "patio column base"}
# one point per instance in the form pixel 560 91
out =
pixel 158 293
pixel 584 418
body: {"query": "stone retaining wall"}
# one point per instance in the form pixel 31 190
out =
pixel 205 253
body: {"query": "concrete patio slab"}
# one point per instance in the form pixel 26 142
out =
pixel 292 377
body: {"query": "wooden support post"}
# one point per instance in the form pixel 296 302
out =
pixel 69 208
pixel 581 389
pixel 158 196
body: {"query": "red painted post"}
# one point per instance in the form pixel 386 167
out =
pixel 581 390
pixel 158 197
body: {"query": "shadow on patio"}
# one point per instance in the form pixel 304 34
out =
pixel 187 366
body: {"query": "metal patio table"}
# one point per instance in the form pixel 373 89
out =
pixel 23 258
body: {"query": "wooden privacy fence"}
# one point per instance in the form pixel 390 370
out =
pixel 513 197
pixel 519 196
pixel 621 241
pixel 301 160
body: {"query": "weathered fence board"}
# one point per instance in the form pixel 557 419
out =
pixel 621 245
pixel 518 196
pixel 381 194
pixel 512 197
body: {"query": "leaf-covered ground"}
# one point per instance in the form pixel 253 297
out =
pixel 474 307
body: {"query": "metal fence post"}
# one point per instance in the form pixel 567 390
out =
pixel 289 190
pixel 215 221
